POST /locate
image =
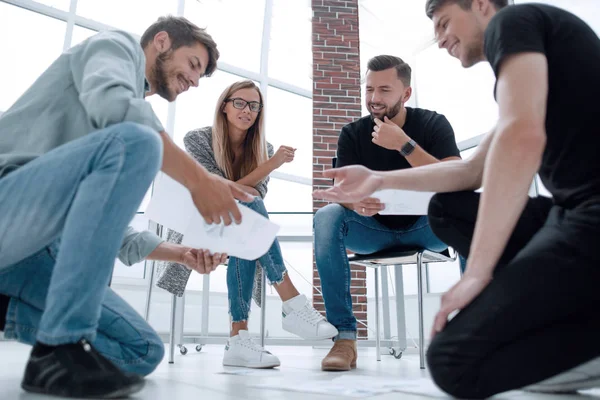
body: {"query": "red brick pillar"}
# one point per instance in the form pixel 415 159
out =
pixel 336 102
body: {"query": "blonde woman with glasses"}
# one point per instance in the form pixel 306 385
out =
pixel 235 148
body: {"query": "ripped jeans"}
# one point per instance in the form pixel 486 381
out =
pixel 240 273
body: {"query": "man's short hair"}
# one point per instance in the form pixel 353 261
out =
pixel 182 32
pixel 433 5
pixel 383 62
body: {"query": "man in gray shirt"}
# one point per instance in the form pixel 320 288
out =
pixel 78 151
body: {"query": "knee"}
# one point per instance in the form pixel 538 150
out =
pixel 448 369
pixel 258 205
pixel 143 144
pixel 328 219
pixel 155 355
pixel 440 207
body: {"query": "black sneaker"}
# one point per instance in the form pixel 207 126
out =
pixel 77 370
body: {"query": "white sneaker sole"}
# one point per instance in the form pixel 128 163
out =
pixel 321 337
pixel 234 362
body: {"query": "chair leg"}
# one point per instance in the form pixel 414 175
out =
pixel 149 290
pixel 263 308
pixel 400 309
pixel 420 299
pixel 377 337
pixel 385 304
pixel 172 332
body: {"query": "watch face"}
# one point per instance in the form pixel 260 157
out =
pixel 408 148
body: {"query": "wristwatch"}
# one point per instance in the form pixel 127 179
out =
pixel 408 148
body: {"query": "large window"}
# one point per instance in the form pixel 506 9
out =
pixel 26 54
pixel 255 43
pixel 131 15
pixel 290 52
pixel 236 26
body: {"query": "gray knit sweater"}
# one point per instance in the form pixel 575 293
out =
pixel 173 277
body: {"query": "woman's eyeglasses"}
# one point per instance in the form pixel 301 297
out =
pixel 240 104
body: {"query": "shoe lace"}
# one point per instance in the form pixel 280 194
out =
pixel 311 315
pixel 249 343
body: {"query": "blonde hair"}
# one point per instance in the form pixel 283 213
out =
pixel 255 145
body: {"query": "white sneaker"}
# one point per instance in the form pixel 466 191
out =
pixel 582 377
pixel 303 320
pixel 241 351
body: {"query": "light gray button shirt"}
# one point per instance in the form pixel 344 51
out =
pixel 98 83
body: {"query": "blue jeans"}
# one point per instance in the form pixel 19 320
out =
pixel 240 273
pixel 337 229
pixel 84 193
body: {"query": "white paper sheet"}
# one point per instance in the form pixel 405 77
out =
pixel 422 386
pixel 360 386
pixel 172 206
pixel 325 387
pixel 403 202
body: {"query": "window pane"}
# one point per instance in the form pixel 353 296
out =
pixel 293 224
pixel 464 96
pixel 58 4
pixel 134 16
pixel 289 123
pixel 291 16
pixel 298 260
pixel 196 108
pixel 285 196
pixel 31 54
pixel 160 107
pixel 80 34
pixel 236 26
pixel 139 223
pixel 380 33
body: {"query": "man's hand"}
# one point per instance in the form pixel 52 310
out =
pixel 214 199
pixel 248 189
pixel 202 261
pixel 388 135
pixel 368 207
pixel 458 297
pixel 352 184
pixel 284 154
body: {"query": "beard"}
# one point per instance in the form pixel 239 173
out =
pixel 474 52
pixel 387 112
pixel 160 75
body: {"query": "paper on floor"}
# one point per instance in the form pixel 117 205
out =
pixel 352 385
pixel 403 202
pixel 324 387
pixel 422 386
pixel 172 206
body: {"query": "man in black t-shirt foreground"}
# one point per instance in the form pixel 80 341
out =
pixel 392 137
pixel 542 254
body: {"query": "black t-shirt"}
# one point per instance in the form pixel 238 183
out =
pixel 571 162
pixel 430 130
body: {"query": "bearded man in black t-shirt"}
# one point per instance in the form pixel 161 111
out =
pixel 531 282
pixel 391 137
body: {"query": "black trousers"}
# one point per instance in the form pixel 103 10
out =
pixel 538 317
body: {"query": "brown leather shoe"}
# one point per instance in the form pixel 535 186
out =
pixel 341 357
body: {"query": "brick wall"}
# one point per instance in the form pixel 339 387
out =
pixel 336 102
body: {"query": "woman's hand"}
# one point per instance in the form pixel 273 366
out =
pixel 284 154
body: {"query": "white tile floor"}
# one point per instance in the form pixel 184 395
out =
pixel 197 376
